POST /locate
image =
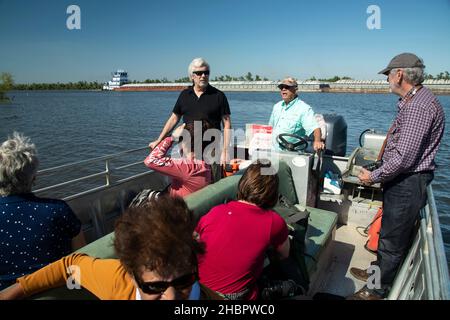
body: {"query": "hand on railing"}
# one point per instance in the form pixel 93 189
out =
pixel 153 144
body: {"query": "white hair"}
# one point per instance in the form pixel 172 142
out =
pixel 197 63
pixel 413 76
pixel 18 165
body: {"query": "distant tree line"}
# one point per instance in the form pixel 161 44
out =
pixel 163 80
pixel 7 82
pixel 247 77
pixel 441 76
pixel 334 79
pixel 80 85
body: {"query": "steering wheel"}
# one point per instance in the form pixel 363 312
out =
pixel 300 145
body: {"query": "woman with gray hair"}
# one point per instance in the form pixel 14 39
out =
pixel 33 231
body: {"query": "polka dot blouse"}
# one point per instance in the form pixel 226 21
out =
pixel 33 233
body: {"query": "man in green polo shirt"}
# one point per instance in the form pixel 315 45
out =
pixel 292 115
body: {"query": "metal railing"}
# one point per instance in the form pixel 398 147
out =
pixel 107 173
pixel 424 273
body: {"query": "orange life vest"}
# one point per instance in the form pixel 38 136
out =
pixel 232 167
pixel 374 232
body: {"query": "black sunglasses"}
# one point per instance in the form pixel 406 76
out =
pixel 158 287
pixel 285 86
pixel 199 73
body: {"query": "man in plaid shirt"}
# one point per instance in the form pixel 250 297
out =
pixel 407 168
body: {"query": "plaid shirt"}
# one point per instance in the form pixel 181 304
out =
pixel 416 135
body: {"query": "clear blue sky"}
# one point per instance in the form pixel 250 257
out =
pixel 155 39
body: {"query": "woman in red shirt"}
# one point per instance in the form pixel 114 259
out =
pixel 189 173
pixel 237 234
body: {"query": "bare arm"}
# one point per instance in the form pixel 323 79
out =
pixel 170 124
pixel 226 120
pixel 13 292
pixel 283 249
pixel 318 144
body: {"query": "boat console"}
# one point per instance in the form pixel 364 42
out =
pixel 365 156
pixel 357 203
pixel 298 153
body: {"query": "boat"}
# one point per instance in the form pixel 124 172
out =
pixel 119 78
pixel 334 241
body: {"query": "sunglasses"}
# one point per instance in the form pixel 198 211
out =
pixel 200 73
pixel 285 86
pixel 158 287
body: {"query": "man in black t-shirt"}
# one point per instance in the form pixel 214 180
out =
pixel 201 101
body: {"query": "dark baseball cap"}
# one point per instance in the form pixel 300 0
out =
pixel 403 60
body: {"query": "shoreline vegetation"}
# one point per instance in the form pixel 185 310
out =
pixel 7 83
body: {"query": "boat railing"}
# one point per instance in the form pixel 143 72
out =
pixel 424 273
pixel 107 173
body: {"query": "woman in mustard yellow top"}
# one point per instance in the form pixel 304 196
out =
pixel 157 260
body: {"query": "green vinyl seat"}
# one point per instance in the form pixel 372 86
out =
pixel 320 225
pixel 224 190
pixel 101 248
pixel 201 201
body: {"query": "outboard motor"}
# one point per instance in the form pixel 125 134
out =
pixel 336 135
pixel 334 130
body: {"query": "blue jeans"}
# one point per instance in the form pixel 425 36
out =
pixel 403 197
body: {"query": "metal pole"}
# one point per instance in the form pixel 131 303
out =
pixel 439 248
pixel 107 172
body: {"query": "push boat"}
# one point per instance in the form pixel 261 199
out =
pixel 118 78
pixel 339 211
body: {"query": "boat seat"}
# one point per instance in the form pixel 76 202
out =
pixel 224 190
pixel 101 248
pixel 321 223
pixel 320 229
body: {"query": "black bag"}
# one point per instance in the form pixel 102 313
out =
pixel 297 220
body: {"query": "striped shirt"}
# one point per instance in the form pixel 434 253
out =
pixel 415 137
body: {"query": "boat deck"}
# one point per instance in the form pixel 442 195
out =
pixel 348 251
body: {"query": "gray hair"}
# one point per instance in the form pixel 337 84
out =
pixel 197 63
pixel 18 165
pixel 413 76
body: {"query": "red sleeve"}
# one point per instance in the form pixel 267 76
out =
pixel 157 160
pixel 199 226
pixel 279 231
pixel 205 219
